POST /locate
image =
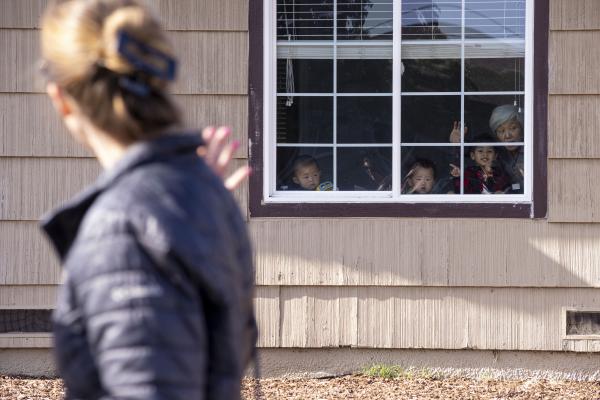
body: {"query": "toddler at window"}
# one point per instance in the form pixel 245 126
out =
pixel 485 177
pixel 307 175
pixel 420 178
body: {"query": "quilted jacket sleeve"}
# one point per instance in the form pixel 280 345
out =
pixel 147 336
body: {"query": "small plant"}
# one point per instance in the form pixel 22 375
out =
pixel 384 371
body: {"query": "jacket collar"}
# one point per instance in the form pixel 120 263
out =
pixel 61 225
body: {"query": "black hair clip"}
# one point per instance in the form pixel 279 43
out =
pixel 129 47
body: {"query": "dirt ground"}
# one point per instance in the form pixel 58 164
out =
pixel 357 387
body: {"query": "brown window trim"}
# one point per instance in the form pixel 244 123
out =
pixel 537 209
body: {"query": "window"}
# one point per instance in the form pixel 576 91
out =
pixel 397 103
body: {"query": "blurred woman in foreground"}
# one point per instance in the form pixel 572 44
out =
pixel 156 300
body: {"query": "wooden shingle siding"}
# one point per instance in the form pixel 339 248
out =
pixel 574 194
pixel 211 62
pixel 32 186
pixel 28 297
pixel 30 127
pixel 27 258
pixel 267 309
pixel 209 15
pixel 574 57
pixel 417 252
pixel 573 126
pixel 574 14
pixel 205 15
pixel 433 318
pixel 25 340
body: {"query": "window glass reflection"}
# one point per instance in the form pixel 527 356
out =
pixel 364 119
pixel 364 20
pixel 494 19
pixel 305 168
pixel 426 170
pixel 431 75
pixel 367 168
pixel 364 76
pixel 305 20
pixel 303 119
pixel 494 74
pixel 431 19
pixel 304 76
pixel 428 119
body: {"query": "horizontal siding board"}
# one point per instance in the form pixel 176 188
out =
pixel 27 258
pixel 206 15
pixel 574 193
pixel 266 308
pixel 573 62
pixel 426 252
pixel 211 62
pixel 32 186
pixel 26 340
pixel 574 14
pixel 209 15
pixel 431 318
pixel 21 13
pixel 30 127
pixel 573 126
pixel 28 296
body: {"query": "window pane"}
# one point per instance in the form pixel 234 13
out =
pixel 494 19
pixel 480 117
pixel 367 168
pixel 431 19
pixel 428 119
pixel 426 170
pixel 494 74
pixel 364 119
pixel 492 170
pixel 304 119
pixel 305 168
pixel 364 19
pixel 304 76
pixel 431 75
pixel 305 20
pixel 364 76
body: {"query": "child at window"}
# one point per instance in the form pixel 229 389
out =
pixel 485 177
pixel 420 178
pixel 306 175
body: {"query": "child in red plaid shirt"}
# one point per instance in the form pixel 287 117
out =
pixel 485 177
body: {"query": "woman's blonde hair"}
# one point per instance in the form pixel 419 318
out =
pixel 113 59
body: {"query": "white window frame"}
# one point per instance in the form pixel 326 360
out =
pixel 272 195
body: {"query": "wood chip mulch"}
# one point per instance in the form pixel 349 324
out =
pixel 357 387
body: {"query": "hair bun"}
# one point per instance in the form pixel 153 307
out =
pixel 138 23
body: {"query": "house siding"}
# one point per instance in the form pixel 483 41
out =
pixel 403 283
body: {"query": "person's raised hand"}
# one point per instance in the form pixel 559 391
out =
pixel 455 133
pixel 455 171
pixel 217 154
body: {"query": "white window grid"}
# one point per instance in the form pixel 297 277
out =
pixel 270 45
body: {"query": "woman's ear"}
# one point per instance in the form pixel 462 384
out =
pixel 60 102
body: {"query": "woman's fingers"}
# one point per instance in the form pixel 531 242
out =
pixel 216 140
pixel 225 157
pixel 237 177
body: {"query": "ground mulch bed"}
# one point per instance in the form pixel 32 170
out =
pixel 357 387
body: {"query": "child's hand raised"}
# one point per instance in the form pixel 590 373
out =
pixel 455 171
pixel 455 133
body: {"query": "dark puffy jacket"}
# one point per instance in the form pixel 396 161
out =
pixel 156 301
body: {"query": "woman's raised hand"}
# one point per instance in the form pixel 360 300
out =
pixel 217 154
pixel 454 171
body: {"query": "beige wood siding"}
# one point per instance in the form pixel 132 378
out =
pixel 433 318
pixel 28 297
pixel 574 15
pixel 573 122
pixel 415 252
pixel 574 61
pixel 29 126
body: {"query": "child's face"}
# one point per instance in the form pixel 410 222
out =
pixel 483 156
pixel 421 181
pixel 510 131
pixel 307 176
